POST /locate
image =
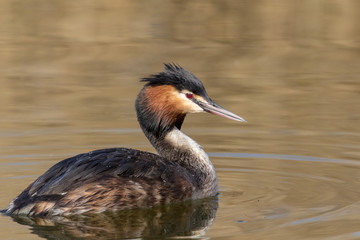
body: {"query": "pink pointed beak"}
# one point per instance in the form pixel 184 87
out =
pixel 218 110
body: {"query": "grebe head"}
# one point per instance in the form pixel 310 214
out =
pixel 168 96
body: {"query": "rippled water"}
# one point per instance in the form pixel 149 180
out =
pixel 69 77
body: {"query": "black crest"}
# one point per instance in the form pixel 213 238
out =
pixel 178 77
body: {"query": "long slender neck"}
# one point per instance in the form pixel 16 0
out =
pixel 178 147
pixel 174 145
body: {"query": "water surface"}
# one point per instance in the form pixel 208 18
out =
pixel 69 78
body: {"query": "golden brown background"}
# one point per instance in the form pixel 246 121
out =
pixel 69 74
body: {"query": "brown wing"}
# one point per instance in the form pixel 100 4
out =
pixel 107 179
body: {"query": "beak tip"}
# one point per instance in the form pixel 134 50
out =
pixel 242 120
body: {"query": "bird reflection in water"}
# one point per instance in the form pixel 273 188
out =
pixel 183 219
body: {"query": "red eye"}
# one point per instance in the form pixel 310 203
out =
pixel 189 95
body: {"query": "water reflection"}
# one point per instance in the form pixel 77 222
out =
pixel 190 218
pixel 69 79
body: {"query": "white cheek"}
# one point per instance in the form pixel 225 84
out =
pixel 189 105
pixel 194 108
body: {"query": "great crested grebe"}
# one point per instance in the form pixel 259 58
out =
pixel 120 178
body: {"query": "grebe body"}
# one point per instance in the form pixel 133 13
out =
pixel 121 178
